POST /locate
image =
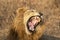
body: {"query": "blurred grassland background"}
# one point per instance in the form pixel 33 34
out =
pixel 50 9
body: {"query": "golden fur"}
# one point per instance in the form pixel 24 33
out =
pixel 20 20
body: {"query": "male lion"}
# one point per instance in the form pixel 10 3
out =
pixel 28 24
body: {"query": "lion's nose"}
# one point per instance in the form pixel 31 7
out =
pixel 41 14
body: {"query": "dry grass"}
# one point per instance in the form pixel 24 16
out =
pixel 50 9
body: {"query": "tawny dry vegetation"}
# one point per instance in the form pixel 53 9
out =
pixel 50 9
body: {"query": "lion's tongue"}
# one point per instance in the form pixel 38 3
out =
pixel 32 25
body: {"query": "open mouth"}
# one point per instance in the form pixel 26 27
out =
pixel 33 22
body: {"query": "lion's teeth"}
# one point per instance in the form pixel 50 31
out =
pixel 31 28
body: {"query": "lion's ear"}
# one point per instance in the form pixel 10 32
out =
pixel 21 10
